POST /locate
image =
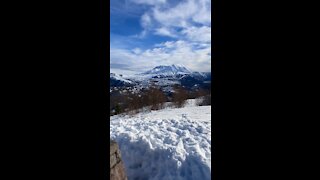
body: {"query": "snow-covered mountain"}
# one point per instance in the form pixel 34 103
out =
pixel 163 76
pixel 168 70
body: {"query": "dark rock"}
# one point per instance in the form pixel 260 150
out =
pixel 117 170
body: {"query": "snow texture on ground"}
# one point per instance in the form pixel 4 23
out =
pixel 173 143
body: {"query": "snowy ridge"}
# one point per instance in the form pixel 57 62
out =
pixel 166 144
pixel 119 78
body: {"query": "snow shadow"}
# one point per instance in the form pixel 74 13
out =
pixel 144 163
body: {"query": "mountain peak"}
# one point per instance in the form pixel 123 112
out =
pixel 169 70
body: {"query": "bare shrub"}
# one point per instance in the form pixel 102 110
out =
pixel 179 97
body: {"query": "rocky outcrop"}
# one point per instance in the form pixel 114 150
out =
pixel 117 171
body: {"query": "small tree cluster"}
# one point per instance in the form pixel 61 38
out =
pixel 156 98
pixel 179 97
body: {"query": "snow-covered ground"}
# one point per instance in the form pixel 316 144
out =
pixel 173 143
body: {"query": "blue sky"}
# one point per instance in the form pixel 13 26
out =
pixel 147 33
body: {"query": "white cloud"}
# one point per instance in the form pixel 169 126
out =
pixel 179 21
pixel 177 16
pixel 167 53
pixel 145 21
pixel 136 50
pixel 200 34
pixel 149 2
pixel 165 32
pixel 203 14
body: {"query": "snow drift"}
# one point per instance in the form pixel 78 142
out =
pixel 166 144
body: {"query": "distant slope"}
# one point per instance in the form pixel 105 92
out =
pixel 117 80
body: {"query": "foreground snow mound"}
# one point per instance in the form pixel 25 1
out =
pixel 167 144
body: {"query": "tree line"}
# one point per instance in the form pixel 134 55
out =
pixel 155 99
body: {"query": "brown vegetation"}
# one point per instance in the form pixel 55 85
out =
pixel 154 99
pixel 179 97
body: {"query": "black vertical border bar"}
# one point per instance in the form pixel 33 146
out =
pixel 217 89
pixel 103 67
